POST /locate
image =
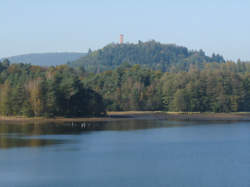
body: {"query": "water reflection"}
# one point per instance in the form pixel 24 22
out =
pixel 30 135
pixel 76 128
pixel 7 143
pixel 123 154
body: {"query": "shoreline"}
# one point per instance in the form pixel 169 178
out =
pixel 186 116
pixel 141 115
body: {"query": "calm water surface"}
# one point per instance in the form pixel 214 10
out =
pixel 133 153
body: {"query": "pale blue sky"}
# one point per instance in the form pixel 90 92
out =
pixel 29 26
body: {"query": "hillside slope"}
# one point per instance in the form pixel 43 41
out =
pixel 46 59
pixel 153 55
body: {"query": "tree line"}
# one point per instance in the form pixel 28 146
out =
pixel 215 88
pixel 28 90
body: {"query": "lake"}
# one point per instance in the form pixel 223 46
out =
pixel 131 153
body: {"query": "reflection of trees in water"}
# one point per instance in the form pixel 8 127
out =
pixel 37 129
pixel 74 128
pixel 15 135
pixel 127 125
pixel 79 127
pixel 7 143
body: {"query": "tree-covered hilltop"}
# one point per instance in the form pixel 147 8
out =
pixel 153 55
pixel 216 88
pixel 28 90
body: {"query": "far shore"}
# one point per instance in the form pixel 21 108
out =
pixel 155 115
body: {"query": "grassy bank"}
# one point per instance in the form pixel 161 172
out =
pixel 192 116
pixel 40 120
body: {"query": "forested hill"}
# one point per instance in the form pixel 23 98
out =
pixel 152 54
pixel 46 59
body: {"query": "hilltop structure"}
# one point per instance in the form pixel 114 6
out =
pixel 121 38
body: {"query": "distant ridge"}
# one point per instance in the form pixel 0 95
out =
pixel 46 59
pixel 151 54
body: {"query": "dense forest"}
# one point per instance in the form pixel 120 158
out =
pixel 145 76
pixel 27 90
pixel 216 88
pixel 152 54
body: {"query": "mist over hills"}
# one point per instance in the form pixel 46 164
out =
pixel 46 59
pixel 151 54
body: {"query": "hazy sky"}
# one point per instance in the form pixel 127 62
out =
pixel 28 26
